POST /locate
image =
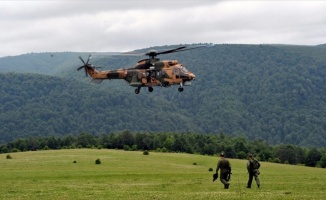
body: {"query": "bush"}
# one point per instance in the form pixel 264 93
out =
pixel 134 147
pixel 322 162
pixel 194 163
pixel 145 153
pixel 75 161
pixel 210 169
pixel 242 155
pixel 15 150
pixel 4 150
pixel 8 156
pixel 126 148
pixel 98 161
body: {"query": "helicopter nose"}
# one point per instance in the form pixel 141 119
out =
pixel 192 76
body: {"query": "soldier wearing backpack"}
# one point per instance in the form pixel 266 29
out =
pixel 252 167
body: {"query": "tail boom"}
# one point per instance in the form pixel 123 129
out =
pixel 108 74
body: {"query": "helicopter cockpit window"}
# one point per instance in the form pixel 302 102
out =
pixel 183 70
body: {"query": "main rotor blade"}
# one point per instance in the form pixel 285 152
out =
pixel 151 53
pixel 191 47
pixel 82 60
pixel 183 48
pixel 109 54
pixel 89 57
pixel 171 50
pixel 79 68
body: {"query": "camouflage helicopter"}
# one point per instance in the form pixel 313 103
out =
pixel 147 72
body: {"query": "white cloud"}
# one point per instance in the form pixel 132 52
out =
pixel 38 26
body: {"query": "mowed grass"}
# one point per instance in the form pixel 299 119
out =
pixel 132 175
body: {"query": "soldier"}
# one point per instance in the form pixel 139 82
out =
pixel 224 165
pixel 252 167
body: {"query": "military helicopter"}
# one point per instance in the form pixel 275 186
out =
pixel 149 72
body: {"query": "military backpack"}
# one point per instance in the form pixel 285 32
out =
pixel 255 164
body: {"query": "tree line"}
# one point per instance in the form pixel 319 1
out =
pixel 193 143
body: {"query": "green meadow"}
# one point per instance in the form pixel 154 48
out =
pixel 73 174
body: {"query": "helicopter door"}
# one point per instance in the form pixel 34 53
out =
pixel 176 73
pixel 151 76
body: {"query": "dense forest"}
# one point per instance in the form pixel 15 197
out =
pixel 276 93
pixel 204 144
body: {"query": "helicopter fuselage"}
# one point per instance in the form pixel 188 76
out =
pixel 148 74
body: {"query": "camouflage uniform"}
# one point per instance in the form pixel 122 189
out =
pixel 224 165
pixel 252 171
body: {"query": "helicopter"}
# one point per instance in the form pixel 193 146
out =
pixel 148 72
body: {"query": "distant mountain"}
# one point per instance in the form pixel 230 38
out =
pixel 321 45
pixel 275 93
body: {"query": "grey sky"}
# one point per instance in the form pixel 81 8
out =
pixel 117 25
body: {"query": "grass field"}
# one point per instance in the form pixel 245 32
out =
pixel 132 175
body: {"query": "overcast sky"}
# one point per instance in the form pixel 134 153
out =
pixel 122 25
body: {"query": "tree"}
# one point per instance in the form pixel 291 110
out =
pixel 144 141
pixel 322 162
pixel 68 141
pixel 240 146
pixel 32 144
pixel 127 138
pixel 179 144
pixel 286 154
pixel 52 143
pixel 229 152
pixel 86 140
pixel 313 157
pixel 208 149
pixel 168 143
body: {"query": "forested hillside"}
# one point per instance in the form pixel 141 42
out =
pixel 41 105
pixel 275 93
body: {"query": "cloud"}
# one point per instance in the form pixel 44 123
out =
pixel 39 26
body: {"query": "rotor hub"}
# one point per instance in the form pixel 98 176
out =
pixel 152 53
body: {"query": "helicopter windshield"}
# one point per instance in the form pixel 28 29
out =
pixel 183 70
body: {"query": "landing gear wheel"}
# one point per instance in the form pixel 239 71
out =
pixel 180 89
pixel 150 89
pixel 137 91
